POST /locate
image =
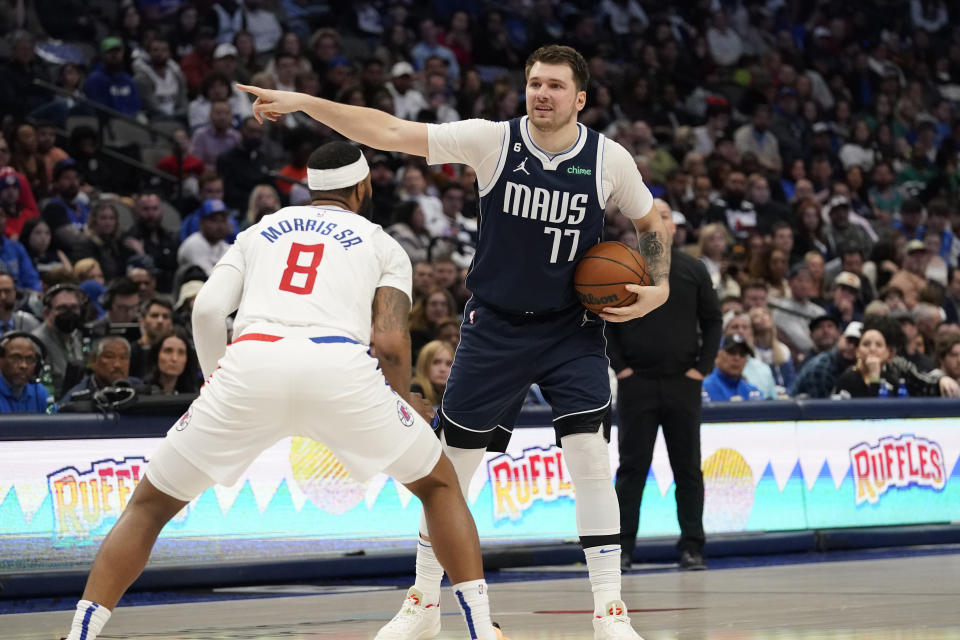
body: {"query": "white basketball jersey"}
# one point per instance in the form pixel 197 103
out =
pixel 315 267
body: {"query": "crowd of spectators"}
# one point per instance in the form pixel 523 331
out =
pixel 810 151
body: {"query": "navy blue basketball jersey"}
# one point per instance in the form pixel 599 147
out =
pixel 538 216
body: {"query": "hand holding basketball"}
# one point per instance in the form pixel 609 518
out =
pixel 612 280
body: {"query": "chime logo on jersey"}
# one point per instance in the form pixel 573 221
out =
pixel 538 474
pixel 406 416
pixel 896 462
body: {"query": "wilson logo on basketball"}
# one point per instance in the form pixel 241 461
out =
pixel 590 299
pixel 896 462
pixel 517 483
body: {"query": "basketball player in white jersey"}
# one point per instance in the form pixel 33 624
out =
pixel 307 282
pixel 544 183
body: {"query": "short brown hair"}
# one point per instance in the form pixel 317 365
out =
pixel 561 54
pixel 945 344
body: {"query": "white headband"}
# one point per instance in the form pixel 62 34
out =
pixel 346 176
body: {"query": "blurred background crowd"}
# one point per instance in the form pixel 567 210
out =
pixel 809 150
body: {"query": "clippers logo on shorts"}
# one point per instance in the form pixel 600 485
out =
pixel 84 501
pixel 406 416
pixel 183 421
pixel 538 474
pixel 896 462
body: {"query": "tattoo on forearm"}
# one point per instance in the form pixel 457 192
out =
pixel 391 310
pixel 654 252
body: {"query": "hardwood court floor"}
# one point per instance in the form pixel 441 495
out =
pixel 915 598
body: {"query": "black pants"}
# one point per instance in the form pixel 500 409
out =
pixel 643 405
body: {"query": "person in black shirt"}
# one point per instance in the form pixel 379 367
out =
pixel 660 361
pixel 868 378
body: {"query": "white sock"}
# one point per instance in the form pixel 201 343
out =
pixel 475 606
pixel 603 565
pixel 429 573
pixel 88 620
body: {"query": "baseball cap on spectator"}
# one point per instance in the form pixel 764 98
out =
pixel 847 279
pixel 902 315
pixel 8 179
pixel 853 330
pixel 915 245
pixel 821 127
pixel 821 32
pixel 211 207
pixel 110 43
pixel 798 269
pixel 401 69
pixel 678 218
pixel 837 201
pixel 224 50
pixel 816 322
pixel 66 164
pixel 735 342
pixel 340 61
pixel 188 290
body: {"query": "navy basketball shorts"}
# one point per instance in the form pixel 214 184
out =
pixel 501 355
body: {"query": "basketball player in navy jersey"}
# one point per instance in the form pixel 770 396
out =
pixel 545 181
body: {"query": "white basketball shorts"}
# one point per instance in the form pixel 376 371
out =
pixel 267 388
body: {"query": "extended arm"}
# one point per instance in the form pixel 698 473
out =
pixel 370 127
pixel 219 297
pixel 391 337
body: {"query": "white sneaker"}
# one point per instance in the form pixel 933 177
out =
pixel 415 621
pixel 614 624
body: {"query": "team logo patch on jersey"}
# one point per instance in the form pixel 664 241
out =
pixel 473 315
pixel 183 421
pixel 406 416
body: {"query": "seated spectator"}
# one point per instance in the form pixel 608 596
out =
pixel 11 318
pixel 121 301
pixel 18 94
pixel 109 84
pixel 918 383
pixel 911 280
pixel 26 159
pixel 426 316
pixel 21 356
pixel 755 371
pixel 144 274
pixel 15 260
pixel 197 64
pixel 245 166
pixel 754 294
pixel 423 280
pixel 89 269
pixel 726 382
pixel 817 265
pixel 101 243
pixel 818 376
pixel 914 346
pixel 66 212
pixel 205 247
pixel 948 355
pixel 842 231
pixel 211 188
pixel 792 315
pixel 11 207
pixel 161 84
pixel 771 266
pixel 156 321
pixel 449 331
pixel 218 88
pixel 771 351
pixel 63 314
pixel 26 201
pixel 47 147
pixel 714 243
pixel 147 238
pixel 866 378
pixel 432 371
pixel 216 138
pixel 182 162
pixel 109 364
pixel 824 333
pixel 60 106
pixel 172 364
pixel 183 308
pixel 36 239
pixel 263 201
pixel 846 291
pixel 408 227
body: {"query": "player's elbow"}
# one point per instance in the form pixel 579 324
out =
pixel 392 346
pixel 205 312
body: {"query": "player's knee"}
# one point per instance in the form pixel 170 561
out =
pixel 586 456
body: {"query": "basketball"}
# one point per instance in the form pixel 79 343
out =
pixel 602 273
